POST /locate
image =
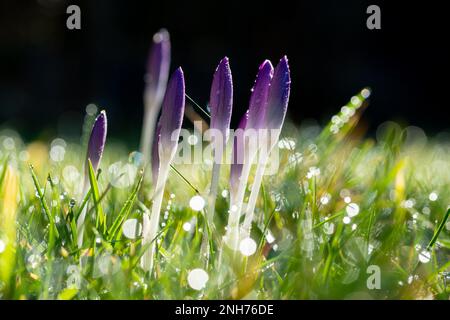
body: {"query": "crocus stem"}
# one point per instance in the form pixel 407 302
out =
pixel 211 208
pixel 148 131
pixel 82 217
pixel 253 197
pixel 80 227
pixel 151 224
pixel 236 208
pixel 213 190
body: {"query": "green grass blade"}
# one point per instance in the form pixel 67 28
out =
pixel 438 231
pixel 101 218
pixel 126 209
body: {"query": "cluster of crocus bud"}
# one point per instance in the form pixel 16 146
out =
pixel 262 122
pixel 266 112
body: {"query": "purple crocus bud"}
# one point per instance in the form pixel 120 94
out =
pixel 97 141
pixel 96 145
pixel 221 104
pixel 172 113
pixel 278 97
pixel 238 154
pixel 158 67
pixel 258 98
pixel 221 98
pixel 168 132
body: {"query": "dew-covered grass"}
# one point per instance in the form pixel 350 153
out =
pixel 342 206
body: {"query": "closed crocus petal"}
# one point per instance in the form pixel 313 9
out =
pixel 221 98
pixel 258 98
pixel 94 154
pixel 168 132
pixel 238 154
pixel 158 67
pixel 169 124
pixel 278 96
pixel 97 141
pixel 221 104
pixel 276 108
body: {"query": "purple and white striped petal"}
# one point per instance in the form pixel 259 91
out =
pixel 221 97
pixel 158 66
pixel 97 141
pixel 258 98
pixel 172 113
pixel 278 97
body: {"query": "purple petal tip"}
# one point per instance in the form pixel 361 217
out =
pixel 221 96
pixel 161 36
pixel 259 95
pixel 158 65
pixel 278 95
pixel 97 139
pixel 172 109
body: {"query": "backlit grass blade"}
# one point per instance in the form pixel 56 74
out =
pixel 101 218
pixel 37 186
pixel 125 211
pixel 8 213
pixel 439 230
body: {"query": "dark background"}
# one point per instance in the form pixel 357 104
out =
pixel 48 74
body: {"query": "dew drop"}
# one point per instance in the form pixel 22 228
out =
pixel 433 196
pixel 425 256
pixel 328 228
pixel 187 226
pixel 132 228
pixel 197 279
pixel 247 247
pixel 352 209
pixel 197 203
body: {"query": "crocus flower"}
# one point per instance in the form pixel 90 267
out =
pixel 258 98
pixel 275 112
pixel 239 171
pixel 97 141
pixel 278 96
pixel 156 81
pixel 169 127
pixel 221 97
pixel 96 145
pixel 221 104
